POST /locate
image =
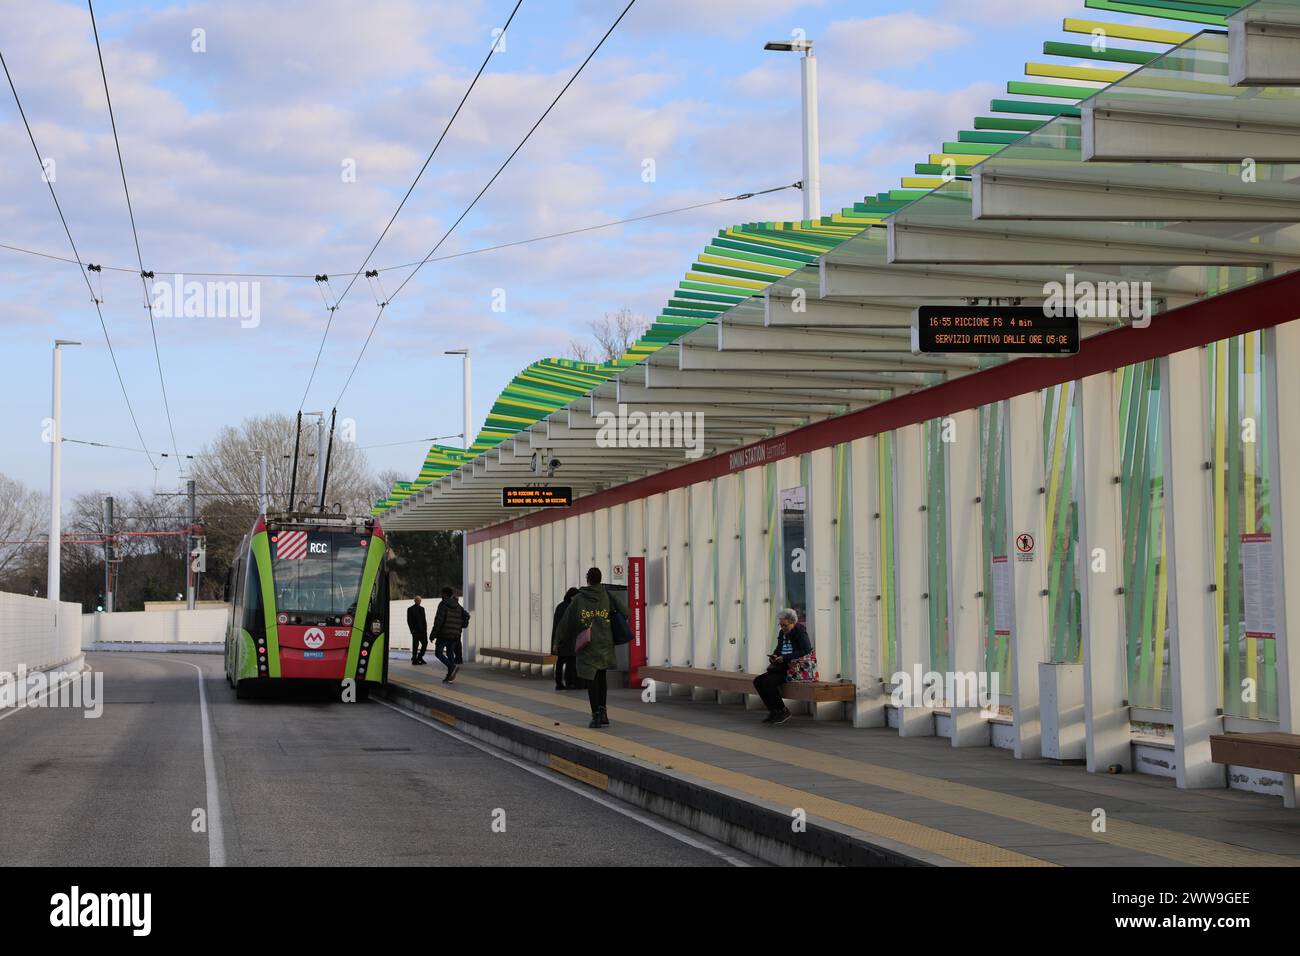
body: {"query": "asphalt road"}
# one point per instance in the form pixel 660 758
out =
pixel 298 783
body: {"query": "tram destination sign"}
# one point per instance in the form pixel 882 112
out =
pixel 535 497
pixel 994 330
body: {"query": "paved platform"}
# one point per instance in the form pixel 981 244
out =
pixel 920 796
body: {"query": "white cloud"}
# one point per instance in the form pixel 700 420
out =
pixel 989 11
pixel 897 39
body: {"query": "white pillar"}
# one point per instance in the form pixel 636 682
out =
pixel 730 606
pixel 538 640
pixel 574 567
pixel 1193 647
pixel 864 517
pixel 1105 641
pixel 56 479
pixel 1281 358
pixel 965 569
pixel 812 177
pixel 756 539
pixel 703 554
pixel 618 550
pixel 1026 516
pixel 656 576
pixel 823 573
pixel 679 583
pixel 913 573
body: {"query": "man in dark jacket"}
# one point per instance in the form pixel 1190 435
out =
pixel 448 622
pixel 792 643
pixel 566 663
pixel 419 631
pixel 590 612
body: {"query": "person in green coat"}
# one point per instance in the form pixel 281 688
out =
pixel 591 608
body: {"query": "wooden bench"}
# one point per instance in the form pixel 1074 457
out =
pixel 738 682
pixel 514 654
pixel 1271 751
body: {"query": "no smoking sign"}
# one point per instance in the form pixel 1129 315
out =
pixel 1024 546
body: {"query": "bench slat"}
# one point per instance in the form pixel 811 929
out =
pixel 817 692
pixel 1270 751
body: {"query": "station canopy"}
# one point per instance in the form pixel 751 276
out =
pixel 1169 159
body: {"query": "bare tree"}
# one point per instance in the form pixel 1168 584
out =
pixel 614 334
pixel 581 351
pixel 383 484
pixel 227 470
pixel 24 514
pixel 226 477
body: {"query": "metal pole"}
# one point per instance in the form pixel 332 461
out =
pixel 189 547
pixel 329 450
pixel 293 480
pixel 320 460
pixel 108 554
pixel 261 483
pixel 467 404
pixel 812 176
pixel 467 409
pixel 56 472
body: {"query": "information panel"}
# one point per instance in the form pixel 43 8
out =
pixel 994 330
pixel 532 497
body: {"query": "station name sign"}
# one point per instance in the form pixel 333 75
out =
pixel 534 497
pixel 994 330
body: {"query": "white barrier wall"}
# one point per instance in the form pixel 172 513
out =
pixel 180 626
pixel 200 626
pixel 34 636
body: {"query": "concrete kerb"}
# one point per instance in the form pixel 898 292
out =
pixel 719 813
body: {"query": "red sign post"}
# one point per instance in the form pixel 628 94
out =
pixel 636 654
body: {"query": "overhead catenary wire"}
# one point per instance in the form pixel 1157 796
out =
pixel 474 202
pixel 135 234
pixel 77 258
pixel 412 441
pixel 333 310
pixel 577 230
pixel 100 444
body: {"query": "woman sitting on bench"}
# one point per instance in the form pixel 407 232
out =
pixel 793 659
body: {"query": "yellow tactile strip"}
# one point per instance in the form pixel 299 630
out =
pixel 1169 844
pixel 959 849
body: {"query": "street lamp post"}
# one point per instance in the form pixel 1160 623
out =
pixel 812 177
pixel 56 473
pixel 467 415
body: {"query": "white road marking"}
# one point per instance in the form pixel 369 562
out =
pixel 216 843
pixel 559 781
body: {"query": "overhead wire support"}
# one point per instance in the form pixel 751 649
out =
pixel 145 275
pixel 496 41
pixel 488 185
pixel 80 266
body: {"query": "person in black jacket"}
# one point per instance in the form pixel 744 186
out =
pixel 448 622
pixel 419 631
pixel 792 643
pixel 566 664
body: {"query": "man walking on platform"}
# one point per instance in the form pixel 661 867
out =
pixel 448 622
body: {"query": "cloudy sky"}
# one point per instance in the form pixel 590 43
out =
pixel 236 158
